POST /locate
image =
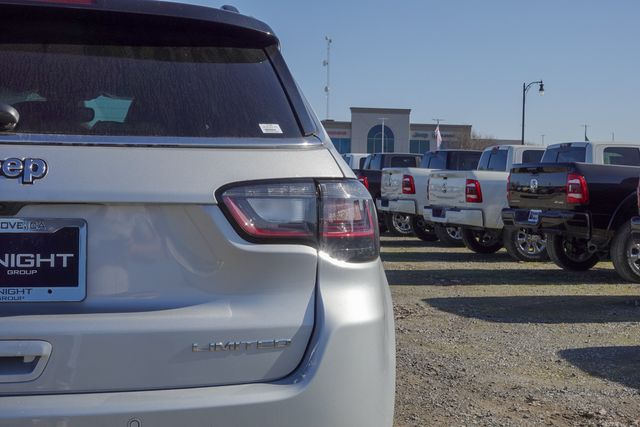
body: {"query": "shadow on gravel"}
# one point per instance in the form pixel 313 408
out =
pixel 408 243
pixel 543 309
pixel 516 276
pixel 444 257
pixel 618 364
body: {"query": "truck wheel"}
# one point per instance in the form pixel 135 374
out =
pixel 398 224
pixel 482 241
pixel 423 230
pixel 570 253
pixel 449 235
pixel 625 253
pixel 525 245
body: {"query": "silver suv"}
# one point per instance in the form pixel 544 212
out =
pixel 180 244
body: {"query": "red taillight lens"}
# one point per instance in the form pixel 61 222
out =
pixel 577 191
pixel 473 192
pixel 364 180
pixel 337 217
pixel 408 185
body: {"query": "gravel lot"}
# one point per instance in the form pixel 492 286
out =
pixel 483 340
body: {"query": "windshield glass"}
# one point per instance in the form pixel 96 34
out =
pixel 181 91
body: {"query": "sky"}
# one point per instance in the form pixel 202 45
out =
pixel 465 61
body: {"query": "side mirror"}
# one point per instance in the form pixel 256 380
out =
pixel 9 118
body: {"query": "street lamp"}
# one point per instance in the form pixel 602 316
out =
pixel 383 119
pixel 525 89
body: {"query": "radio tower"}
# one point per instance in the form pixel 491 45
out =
pixel 327 63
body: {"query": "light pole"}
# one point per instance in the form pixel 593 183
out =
pixel 327 63
pixel 525 89
pixel 383 119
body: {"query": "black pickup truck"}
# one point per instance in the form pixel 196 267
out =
pixel 584 210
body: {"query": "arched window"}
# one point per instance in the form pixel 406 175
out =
pixel 374 140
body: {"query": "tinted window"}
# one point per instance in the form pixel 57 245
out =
pixel 564 155
pixel 404 161
pixel 462 161
pixel 626 156
pixel 493 160
pixel 437 160
pixel 376 162
pixel 362 162
pixel 532 156
pixel 184 91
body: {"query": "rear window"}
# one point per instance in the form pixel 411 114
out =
pixel 564 154
pixel 625 156
pixel 180 91
pixel 435 160
pixel 404 161
pixel 493 160
pixel 532 156
pixel 462 161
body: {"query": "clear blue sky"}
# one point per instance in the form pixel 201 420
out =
pixel 465 61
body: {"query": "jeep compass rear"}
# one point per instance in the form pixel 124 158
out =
pixel 180 244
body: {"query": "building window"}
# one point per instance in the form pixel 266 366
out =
pixel 419 146
pixel 374 140
pixel 343 145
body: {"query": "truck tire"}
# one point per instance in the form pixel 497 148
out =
pixel 625 253
pixel 398 224
pixel 524 245
pixel 570 253
pixel 449 235
pixel 482 241
pixel 423 230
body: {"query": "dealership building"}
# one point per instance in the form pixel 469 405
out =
pixel 370 126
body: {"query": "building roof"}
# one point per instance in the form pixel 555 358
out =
pixel 380 110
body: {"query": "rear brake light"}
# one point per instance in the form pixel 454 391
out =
pixel 473 192
pixel 337 217
pixel 364 180
pixel 577 191
pixel 408 185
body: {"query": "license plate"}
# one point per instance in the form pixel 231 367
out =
pixel 534 216
pixel 438 212
pixel 42 260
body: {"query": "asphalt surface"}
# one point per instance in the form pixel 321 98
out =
pixel 484 340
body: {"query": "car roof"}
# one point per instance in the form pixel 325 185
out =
pixel 187 11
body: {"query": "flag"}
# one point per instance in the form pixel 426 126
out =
pixel 438 138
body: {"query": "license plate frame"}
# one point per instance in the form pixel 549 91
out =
pixel 43 260
pixel 534 216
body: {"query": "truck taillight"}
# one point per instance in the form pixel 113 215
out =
pixel 473 192
pixel 408 185
pixel 364 180
pixel 509 186
pixel 337 217
pixel 577 190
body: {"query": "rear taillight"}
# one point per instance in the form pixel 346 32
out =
pixel 473 192
pixel 577 191
pixel 408 185
pixel 337 217
pixel 364 180
pixel 509 186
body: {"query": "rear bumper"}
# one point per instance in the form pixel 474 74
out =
pixel 401 206
pixel 347 377
pixel 454 216
pixel 574 224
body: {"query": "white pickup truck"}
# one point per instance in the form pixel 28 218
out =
pixel 474 201
pixel 404 193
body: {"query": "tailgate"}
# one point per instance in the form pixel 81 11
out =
pixel 540 186
pixel 391 184
pixel 447 188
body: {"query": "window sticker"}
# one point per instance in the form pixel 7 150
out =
pixel 270 128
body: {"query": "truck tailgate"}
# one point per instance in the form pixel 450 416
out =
pixel 447 188
pixel 540 186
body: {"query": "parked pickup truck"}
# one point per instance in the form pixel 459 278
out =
pixel 355 160
pixel 371 173
pixel 474 201
pixel 582 196
pixel 404 190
